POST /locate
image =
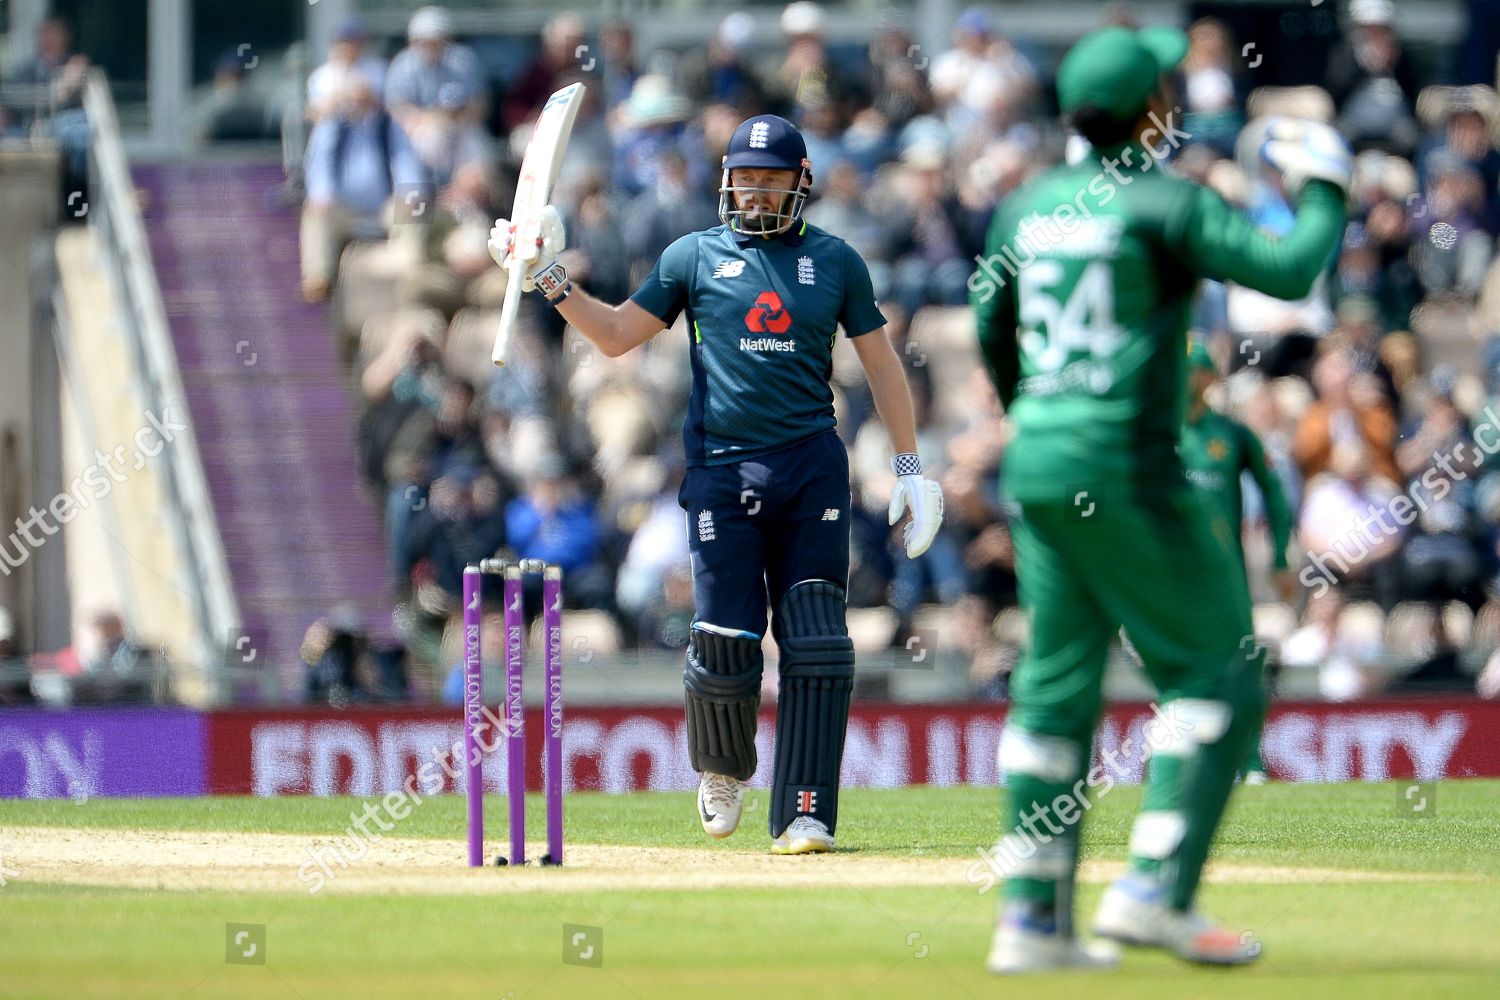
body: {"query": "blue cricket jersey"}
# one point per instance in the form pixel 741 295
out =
pixel 762 315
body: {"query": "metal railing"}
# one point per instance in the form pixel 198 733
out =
pixel 191 517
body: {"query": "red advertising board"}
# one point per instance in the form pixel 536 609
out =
pixel 365 752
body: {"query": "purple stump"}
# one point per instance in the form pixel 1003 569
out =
pixel 552 716
pixel 515 713
pixel 473 714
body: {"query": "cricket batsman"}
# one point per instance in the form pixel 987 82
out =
pixel 1215 451
pixel 767 486
pixel 1085 341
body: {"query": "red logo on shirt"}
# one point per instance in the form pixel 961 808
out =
pixel 768 315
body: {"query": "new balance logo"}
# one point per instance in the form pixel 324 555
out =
pixel 807 801
pixel 759 133
pixel 805 274
pixel 729 269
pixel 706 526
pixel 831 514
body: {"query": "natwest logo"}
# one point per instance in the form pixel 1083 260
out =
pixel 768 315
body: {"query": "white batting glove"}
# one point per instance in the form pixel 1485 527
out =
pixel 1303 150
pixel 542 269
pixel 923 496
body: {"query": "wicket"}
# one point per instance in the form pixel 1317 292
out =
pixel 514 705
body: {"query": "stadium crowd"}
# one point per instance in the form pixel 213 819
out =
pixel 1359 392
pixel 575 460
pixel 1376 394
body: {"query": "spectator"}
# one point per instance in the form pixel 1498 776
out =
pixel 668 209
pixel 455 152
pixel 900 87
pixel 15 675
pixel 651 124
pixel 563 56
pixel 1467 122
pixel 657 548
pixel 619 70
pixel 941 567
pixel 1349 412
pixel 807 74
pixel 591 147
pixel 1357 330
pixel 1344 548
pixel 600 243
pixel 463 521
pixel 1443 559
pixel 1372 82
pixel 491 657
pixel 357 160
pixel 1456 244
pixel 823 129
pixel 348 58
pixel 555 522
pixel 982 82
pixel 336 652
pixel 936 262
pixel 57 76
pixel 843 211
pixel 1343 657
pixel 120 669
pixel 234 112
pixel 668 618
pixel 431 61
pixel 721 73
pixel 1210 88
pixel 1376 257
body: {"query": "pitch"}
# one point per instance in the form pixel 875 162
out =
pixel 1352 891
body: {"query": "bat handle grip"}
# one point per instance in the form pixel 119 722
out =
pixel 508 310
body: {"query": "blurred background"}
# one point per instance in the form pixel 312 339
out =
pixel 250 432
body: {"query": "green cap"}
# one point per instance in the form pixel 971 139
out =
pixel 1117 69
pixel 1198 356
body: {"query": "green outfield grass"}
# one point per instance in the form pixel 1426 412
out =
pixel 1435 937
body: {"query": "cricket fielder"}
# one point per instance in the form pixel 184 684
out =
pixel 1215 451
pixel 1086 347
pixel 767 485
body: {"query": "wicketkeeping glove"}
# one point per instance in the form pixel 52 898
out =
pixel 923 496
pixel 543 272
pixel 1305 150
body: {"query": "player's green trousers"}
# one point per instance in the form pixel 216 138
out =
pixel 1163 568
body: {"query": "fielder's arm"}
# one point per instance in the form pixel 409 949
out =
pixel 888 388
pixel 995 319
pixel 1221 242
pixel 1278 515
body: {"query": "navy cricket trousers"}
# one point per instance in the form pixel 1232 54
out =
pixel 759 526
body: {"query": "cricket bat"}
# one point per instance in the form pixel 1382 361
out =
pixel 539 168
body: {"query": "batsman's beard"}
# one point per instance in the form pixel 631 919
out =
pixel 762 216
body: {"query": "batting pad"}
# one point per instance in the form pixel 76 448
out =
pixel 812 710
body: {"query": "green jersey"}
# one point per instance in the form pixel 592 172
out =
pixel 1082 304
pixel 1215 450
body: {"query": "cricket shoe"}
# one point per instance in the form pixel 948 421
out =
pixel 804 835
pixel 1028 941
pixel 1134 911
pixel 721 800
